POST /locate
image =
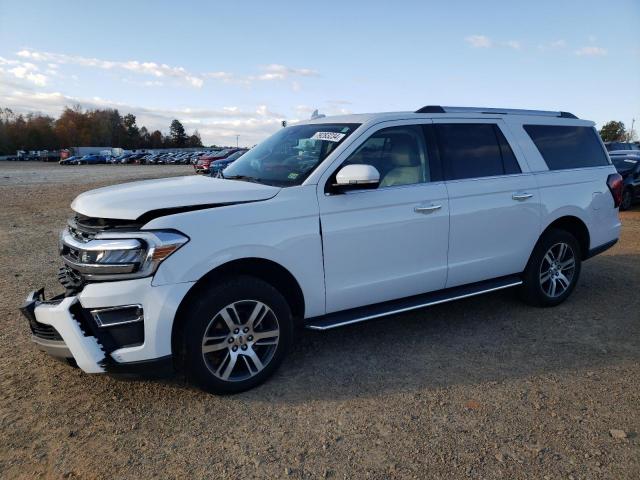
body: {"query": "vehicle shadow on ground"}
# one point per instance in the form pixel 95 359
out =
pixel 487 338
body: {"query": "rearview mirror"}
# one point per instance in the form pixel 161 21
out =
pixel 357 176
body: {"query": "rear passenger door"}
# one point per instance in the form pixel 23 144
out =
pixel 493 200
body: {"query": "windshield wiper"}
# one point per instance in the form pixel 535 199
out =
pixel 244 178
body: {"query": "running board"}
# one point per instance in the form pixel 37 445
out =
pixel 360 314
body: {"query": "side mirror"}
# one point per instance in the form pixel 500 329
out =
pixel 357 176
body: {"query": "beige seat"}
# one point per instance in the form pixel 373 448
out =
pixel 407 168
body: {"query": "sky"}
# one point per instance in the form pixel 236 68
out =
pixel 241 67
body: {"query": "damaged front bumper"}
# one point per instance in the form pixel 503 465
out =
pixel 57 332
pixel 121 328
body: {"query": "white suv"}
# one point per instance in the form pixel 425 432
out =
pixel 326 223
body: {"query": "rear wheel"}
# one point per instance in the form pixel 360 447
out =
pixel 627 199
pixel 237 335
pixel 553 269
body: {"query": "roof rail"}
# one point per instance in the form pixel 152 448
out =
pixel 495 111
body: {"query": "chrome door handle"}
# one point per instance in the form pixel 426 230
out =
pixel 426 210
pixel 522 196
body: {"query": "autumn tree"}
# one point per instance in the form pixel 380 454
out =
pixel 156 140
pixel 78 127
pixel 177 133
pixel 133 139
pixel 613 131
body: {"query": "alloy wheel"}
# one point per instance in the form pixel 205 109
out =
pixel 240 340
pixel 557 269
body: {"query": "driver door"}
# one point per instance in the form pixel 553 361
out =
pixel 389 242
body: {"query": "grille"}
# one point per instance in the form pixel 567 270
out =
pixel 46 332
pixel 79 234
pixel 70 279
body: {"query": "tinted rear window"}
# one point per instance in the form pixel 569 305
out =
pixel 564 147
pixel 473 150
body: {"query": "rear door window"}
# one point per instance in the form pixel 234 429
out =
pixel 565 147
pixel 474 150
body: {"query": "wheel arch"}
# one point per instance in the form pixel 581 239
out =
pixel 267 270
pixel 576 227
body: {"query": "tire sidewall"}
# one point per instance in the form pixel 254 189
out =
pixel 207 306
pixel 533 289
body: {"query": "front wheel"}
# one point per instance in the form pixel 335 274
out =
pixel 236 335
pixel 553 269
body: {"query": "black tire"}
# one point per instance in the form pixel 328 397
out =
pixel 537 292
pixel 204 315
pixel 627 199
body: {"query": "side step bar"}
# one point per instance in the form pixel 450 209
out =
pixel 360 314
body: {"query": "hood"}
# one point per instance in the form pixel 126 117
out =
pixel 129 201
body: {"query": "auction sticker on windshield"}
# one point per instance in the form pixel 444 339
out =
pixel 328 136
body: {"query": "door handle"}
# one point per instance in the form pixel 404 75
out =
pixel 522 196
pixel 428 209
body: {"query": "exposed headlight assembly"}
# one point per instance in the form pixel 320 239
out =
pixel 119 255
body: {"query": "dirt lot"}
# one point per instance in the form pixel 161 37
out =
pixel 482 388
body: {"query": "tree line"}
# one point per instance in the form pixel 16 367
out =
pixel 90 128
pixel 615 131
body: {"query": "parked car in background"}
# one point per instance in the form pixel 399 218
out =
pixel 135 158
pixel 202 165
pixel 69 160
pixel 627 163
pixel 118 159
pixel 216 167
pixel 327 223
pixel 91 159
pixel 613 146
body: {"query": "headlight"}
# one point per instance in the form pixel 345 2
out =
pixel 119 255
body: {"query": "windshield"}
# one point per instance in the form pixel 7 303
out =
pixel 288 157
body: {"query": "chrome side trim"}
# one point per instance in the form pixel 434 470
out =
pixel 413 307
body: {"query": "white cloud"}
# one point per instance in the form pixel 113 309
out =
pixel 219 126
pixel 479 41
pixel 592 51
pixel 24 71
pixel 516 45
pixel 226 76
pixel 282 71
pixel 162 70
pixel 143 68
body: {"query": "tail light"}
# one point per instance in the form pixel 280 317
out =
pixel 615 184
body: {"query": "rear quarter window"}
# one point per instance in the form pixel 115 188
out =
pixel 565 147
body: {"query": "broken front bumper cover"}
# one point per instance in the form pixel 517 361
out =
pixel 86 350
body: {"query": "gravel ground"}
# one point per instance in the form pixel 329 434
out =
pixel 482 388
